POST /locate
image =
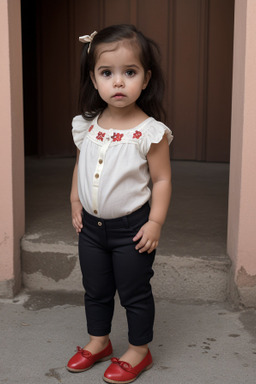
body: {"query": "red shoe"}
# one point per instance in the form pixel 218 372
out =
pixel 122 372
pixel 84 360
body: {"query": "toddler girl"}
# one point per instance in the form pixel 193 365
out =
pixel 121 145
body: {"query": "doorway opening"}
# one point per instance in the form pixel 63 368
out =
pixel 197 44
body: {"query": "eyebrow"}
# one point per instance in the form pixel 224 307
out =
pixel 109 66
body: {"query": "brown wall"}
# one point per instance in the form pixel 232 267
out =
pixel 196 41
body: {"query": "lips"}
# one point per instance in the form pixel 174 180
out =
pixel 118 95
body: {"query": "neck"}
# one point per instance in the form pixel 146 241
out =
pixel 122 113
pixel 126 117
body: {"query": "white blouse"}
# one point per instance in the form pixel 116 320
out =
pixel 113 172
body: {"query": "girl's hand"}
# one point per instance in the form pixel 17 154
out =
pixel 76 211
pixel 149 235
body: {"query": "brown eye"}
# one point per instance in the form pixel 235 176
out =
pixel 130 73
pixel 106 73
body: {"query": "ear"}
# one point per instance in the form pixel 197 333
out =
pixel 146 80
pixel 93 79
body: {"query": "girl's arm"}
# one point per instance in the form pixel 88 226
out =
pixel 160 171
pixel 76 206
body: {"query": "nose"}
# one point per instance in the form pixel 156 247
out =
pixel 118 82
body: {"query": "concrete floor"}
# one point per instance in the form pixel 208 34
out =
pixel 193 344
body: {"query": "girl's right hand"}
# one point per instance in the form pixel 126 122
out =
pixel 76 211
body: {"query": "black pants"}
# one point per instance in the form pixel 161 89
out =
pixel 109 262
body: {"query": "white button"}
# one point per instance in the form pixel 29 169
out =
pixel 99 223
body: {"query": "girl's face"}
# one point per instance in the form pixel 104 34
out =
pixel 118 74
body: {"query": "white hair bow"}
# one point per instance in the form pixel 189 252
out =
pixel 88 39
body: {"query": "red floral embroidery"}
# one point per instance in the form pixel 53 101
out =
pixel 100 136
pixel 91 127
pixel 117 136
pixel 137 135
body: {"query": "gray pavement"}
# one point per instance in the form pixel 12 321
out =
pixel 193 343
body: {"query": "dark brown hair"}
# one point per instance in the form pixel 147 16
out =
pixel 150 100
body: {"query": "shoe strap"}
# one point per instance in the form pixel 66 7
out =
pixel 124 365
pixel 84 352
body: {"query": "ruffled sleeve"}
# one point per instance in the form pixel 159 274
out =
pixel 80 127
pixel 153 134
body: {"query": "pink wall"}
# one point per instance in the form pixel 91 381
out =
pixel 11 147
pixel 242 204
